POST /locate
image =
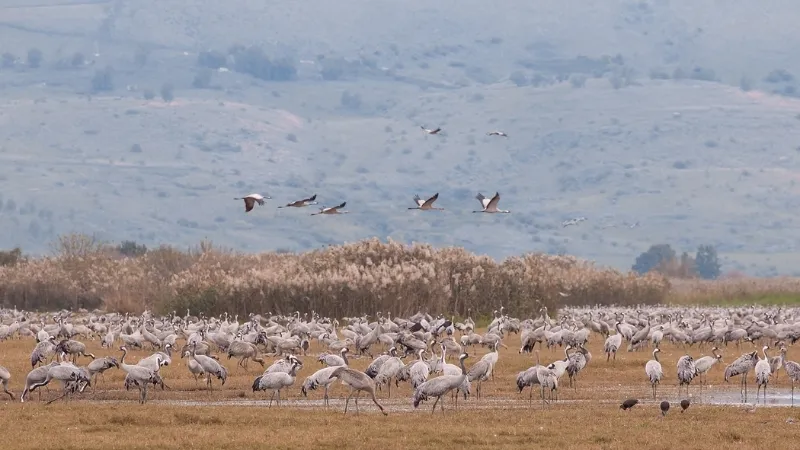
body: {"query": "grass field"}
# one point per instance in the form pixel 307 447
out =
pixel 584 418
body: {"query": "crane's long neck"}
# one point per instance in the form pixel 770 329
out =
pixel 463 369
pixel 655 355
pixel 766 358
pixel 122 365
pixel 344 357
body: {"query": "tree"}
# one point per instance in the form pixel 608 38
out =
pixel 707 262
pixel 654 256
pixel 131 249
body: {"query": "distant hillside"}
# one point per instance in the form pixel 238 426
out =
pixel 622 112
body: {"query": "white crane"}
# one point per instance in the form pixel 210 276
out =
pixel 496 133
pixel 251 200
pixel 431 131
pixel 763 372
pixel 301 203
pixel 613 343
pixel 490 205
pixel 426 205
pixel 331 210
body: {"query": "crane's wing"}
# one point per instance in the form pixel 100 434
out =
pixel 418 200
pixel 430 201
pixel 494 201
pixel 482 199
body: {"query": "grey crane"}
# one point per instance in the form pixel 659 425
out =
pixel 331 360
pixel 776 362
pixel 763 372
pixel 419 371
pixel 547 380
pixel 375 366
pixel 194 367
pixel 245 351
pixel 100 365
pixel 654 371
pixel 276 381
pixel 73 348
pixel 43 350
pixel 479 372
pixel 686 372
pixel 741 366
pixel 323 378
pixel 388 370
pixel 440 386
pixel 529 378
pixel 793 372
pixel 35 376
pixel 577 361
pixel 357 381
pixel 5 376
pixel 140 374
pixel 210 367
pixel 62 372
pixel 704 364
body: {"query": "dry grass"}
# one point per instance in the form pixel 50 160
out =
pixel 352 279
pixel 737 290
pixel 587 418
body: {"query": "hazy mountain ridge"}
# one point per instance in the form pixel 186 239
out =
pixel 693 161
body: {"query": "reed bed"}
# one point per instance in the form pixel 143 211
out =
pixel 353 279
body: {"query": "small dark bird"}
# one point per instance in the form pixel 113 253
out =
pixel 684 404
pixel 664 407
pixel 628 404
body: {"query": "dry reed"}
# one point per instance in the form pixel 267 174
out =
pixel 353 279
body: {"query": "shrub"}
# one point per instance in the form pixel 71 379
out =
pixel 340 280
pixel 167 92
pixel 103 80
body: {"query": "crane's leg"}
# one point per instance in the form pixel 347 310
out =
pixel 325 397
pixel 358 393
pixel 792 392
pixel 530 397
pixel 434 405
pixel 270 399
pixel 347 402
pixel 279 397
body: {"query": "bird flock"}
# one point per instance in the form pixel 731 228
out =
pixel 487 205
pixel 436 356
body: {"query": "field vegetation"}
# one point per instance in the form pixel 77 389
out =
pixel 351 279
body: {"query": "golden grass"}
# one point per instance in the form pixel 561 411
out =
pixel 586 418
pixel 352 279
